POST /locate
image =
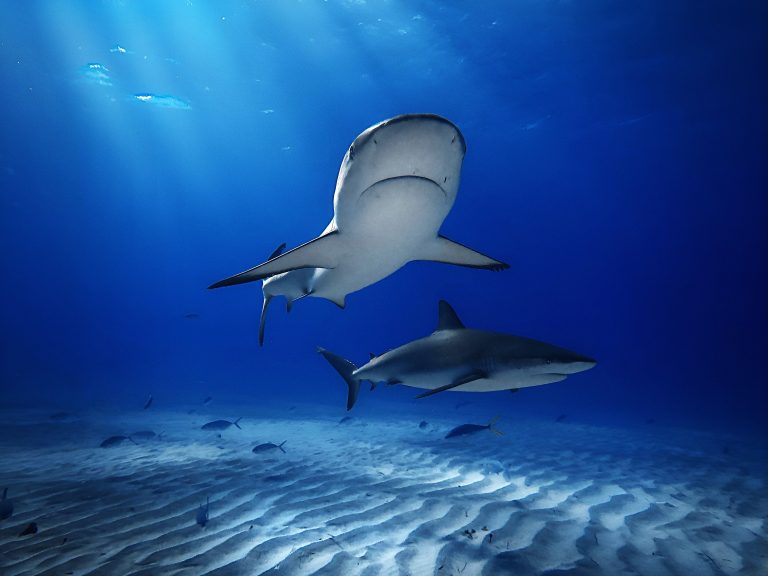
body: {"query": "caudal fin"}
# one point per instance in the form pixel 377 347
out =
pixel 491 427
pixel 281 445
pixel 345 368
pixel 236 422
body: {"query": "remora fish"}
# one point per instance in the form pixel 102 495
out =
pixel 397 183
pixel 464 360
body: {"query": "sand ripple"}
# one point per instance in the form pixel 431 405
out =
pixel 394 500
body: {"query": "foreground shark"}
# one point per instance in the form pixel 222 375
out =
pixel 396 185
pixel 464 360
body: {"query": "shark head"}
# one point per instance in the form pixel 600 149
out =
pixel 539 359
pixel 419 145
pixel 562 361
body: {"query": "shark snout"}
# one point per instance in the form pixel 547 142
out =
pixel 580 363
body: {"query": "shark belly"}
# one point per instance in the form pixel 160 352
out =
pixel 494 382
pixel 394 212
pixel 402 213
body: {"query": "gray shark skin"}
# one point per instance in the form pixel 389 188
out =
pixel 397 183
pixel 462 359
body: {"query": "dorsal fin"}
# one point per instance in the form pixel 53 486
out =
pixel 277 252
pixel 372 355
pixel 447 318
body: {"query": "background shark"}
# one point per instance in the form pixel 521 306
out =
pixel 397 183
pixel 462 359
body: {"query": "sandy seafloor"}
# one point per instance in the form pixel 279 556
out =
pixel 376 496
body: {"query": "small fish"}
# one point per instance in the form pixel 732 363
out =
pixel 148 403
pixel 60 416
pixel 651 421
pixel 423 424
pixel 267 446
pixel 144 435
pixel 345 419
pixel 192 316
pixel 116 441
pixel 202 514
pixel 220 424
pixel 561 417
pixel 96 73
pixel 207 400
pixel 163 101
pixel 29 530
pixel 465 429
pixel 6 506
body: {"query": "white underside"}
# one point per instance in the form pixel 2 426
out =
pixel 495 382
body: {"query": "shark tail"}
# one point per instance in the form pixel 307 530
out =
pixel 236 422
pixel 281 445
pixel 345 368
pixel 492 424
pixel 263 318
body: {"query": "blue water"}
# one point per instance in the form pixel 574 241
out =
pixel 616 160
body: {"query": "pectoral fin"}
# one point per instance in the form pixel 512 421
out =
pixel 441 249
pixel 471 377
pixel 322 252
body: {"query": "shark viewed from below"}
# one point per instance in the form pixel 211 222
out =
pixel 462 359
pixel 397 183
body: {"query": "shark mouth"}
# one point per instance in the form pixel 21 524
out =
pixel 408 176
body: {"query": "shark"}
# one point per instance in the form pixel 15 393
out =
pixel 397 183
pixel 459 359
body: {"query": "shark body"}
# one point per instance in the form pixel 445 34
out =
pixel 397 183
pixel 464 360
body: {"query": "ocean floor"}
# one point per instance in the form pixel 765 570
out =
pixel 375 496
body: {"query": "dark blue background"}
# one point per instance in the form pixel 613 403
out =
pixel 616 159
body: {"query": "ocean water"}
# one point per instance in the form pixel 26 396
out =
pixel 616 160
